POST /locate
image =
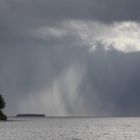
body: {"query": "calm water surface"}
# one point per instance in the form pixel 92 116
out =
pixel 71 129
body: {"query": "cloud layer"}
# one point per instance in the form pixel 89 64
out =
pixel 104 10
pixel 78 57
pixel 71 81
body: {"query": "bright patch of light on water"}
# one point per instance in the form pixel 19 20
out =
pixel 71 129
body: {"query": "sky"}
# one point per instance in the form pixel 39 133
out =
pixel 70 57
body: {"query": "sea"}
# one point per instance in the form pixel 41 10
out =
pixel 84 128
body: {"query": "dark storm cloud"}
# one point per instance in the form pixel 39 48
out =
pixel 110 84
pixel 116 79
pixel 19 16
pixel 26 70
pixel 104 10
pixel 109 80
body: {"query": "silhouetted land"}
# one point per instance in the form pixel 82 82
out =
pixel 2 106
pixel 30 115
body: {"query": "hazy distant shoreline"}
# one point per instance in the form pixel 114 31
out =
pixel 44 116
pixel 31 115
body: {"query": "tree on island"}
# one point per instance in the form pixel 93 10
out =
pixel 2 106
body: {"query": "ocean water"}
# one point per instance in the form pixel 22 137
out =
pixel 102 128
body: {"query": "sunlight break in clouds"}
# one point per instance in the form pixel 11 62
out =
pixel 70 57
pixel 123 36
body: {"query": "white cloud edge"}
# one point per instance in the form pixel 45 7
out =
pixel 123 36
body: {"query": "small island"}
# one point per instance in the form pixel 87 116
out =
pixel 31 115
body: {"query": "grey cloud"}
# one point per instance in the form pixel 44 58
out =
pixel 109 83
pixel 18 17
pixel 104 10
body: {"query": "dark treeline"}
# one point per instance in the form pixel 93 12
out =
pixel 2 106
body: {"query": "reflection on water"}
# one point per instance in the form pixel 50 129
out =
pixel 70 129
